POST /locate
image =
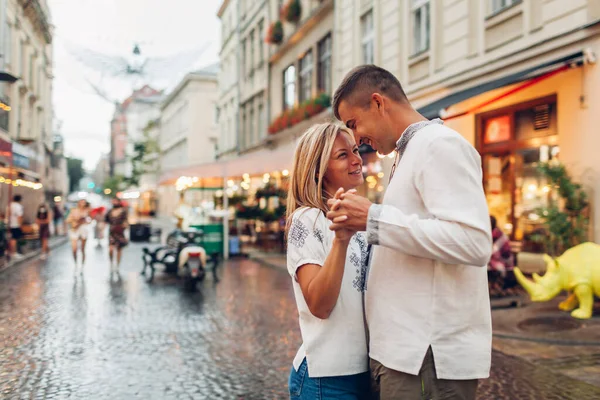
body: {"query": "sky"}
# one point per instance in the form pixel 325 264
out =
pixel 90 34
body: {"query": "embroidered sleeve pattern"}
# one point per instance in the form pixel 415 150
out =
pixel 373 223
pixel 359 262
pixel 298 234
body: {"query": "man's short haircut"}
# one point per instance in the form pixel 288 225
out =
pixel 361 82
pixel 17 198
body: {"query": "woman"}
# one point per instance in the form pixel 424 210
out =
pixel 117 220
pixel 78 221
pixel 501 264
pixel 43 222
pixel 328 270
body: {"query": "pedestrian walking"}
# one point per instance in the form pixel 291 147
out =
pixel 117 221
pixel 15 224
pixel 427 303
pixel 43 222
pixel 57 218
pixel 327 270
pixel 78 221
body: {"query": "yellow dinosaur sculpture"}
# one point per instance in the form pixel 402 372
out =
pixel 577 271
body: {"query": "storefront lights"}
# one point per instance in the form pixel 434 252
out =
pixel 246 177
pixel 285 172
pixel 21 182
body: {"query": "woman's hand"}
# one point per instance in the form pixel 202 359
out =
pixel 343 235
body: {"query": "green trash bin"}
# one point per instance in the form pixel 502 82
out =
pixel 212 241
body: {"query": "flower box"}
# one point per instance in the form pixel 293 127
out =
pixel 300 113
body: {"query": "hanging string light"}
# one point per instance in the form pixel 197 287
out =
pixel 21 182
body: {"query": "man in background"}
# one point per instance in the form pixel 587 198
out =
pixel 15 224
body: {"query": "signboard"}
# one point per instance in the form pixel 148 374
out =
pixel 497 129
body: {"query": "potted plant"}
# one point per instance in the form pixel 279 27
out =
pixel 566 218
pixel 275 33
pixel 301 112
pixel 291 11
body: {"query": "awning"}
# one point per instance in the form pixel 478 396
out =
pixel 260 161
pixel 263 161
pixel 432 110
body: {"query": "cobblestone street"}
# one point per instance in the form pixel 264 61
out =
pixel 96 337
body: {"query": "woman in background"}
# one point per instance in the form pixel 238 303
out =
pixel 43 222
pixel 117 220
pixel 78 221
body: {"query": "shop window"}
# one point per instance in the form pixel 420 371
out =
pixel 513 142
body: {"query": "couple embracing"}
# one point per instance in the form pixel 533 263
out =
pixel 393 298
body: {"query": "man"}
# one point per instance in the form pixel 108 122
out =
pixel 426 300
pixel 15 224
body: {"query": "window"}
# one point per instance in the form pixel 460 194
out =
pixel 261 41
pixel 420 20
pixel 243 61
pixel 368 38
pixel 499 5
pixel 251 44
pixel 216 115
pixel 6 56
pixel 289 87
pixel 261 119
pixel 251 125
pixel 4 115
pixel 31 70
pixel 242 136
pixel 324 68
pixel 306 69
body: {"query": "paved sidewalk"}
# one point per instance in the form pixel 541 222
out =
pixel 54 242
pixel 538 333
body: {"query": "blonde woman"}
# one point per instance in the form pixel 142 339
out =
pixel 328 270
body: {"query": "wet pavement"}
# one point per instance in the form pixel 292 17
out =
pixel 94 336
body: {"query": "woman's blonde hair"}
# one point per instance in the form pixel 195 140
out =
pixel 310 164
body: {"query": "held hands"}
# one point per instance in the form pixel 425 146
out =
pixel 348 212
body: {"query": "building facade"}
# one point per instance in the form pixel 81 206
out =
pixel 189 135
pixel 26 102
pixel 129 121
pixel 513 76
pixel 228 80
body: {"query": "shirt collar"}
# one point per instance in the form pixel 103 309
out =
pixel 411 130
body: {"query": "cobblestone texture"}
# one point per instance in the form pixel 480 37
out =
pixel 94 336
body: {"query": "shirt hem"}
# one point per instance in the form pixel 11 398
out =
pixel 415 371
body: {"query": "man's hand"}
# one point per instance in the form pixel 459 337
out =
pixel 348 211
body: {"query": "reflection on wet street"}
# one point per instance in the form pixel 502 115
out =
pixel 98 336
